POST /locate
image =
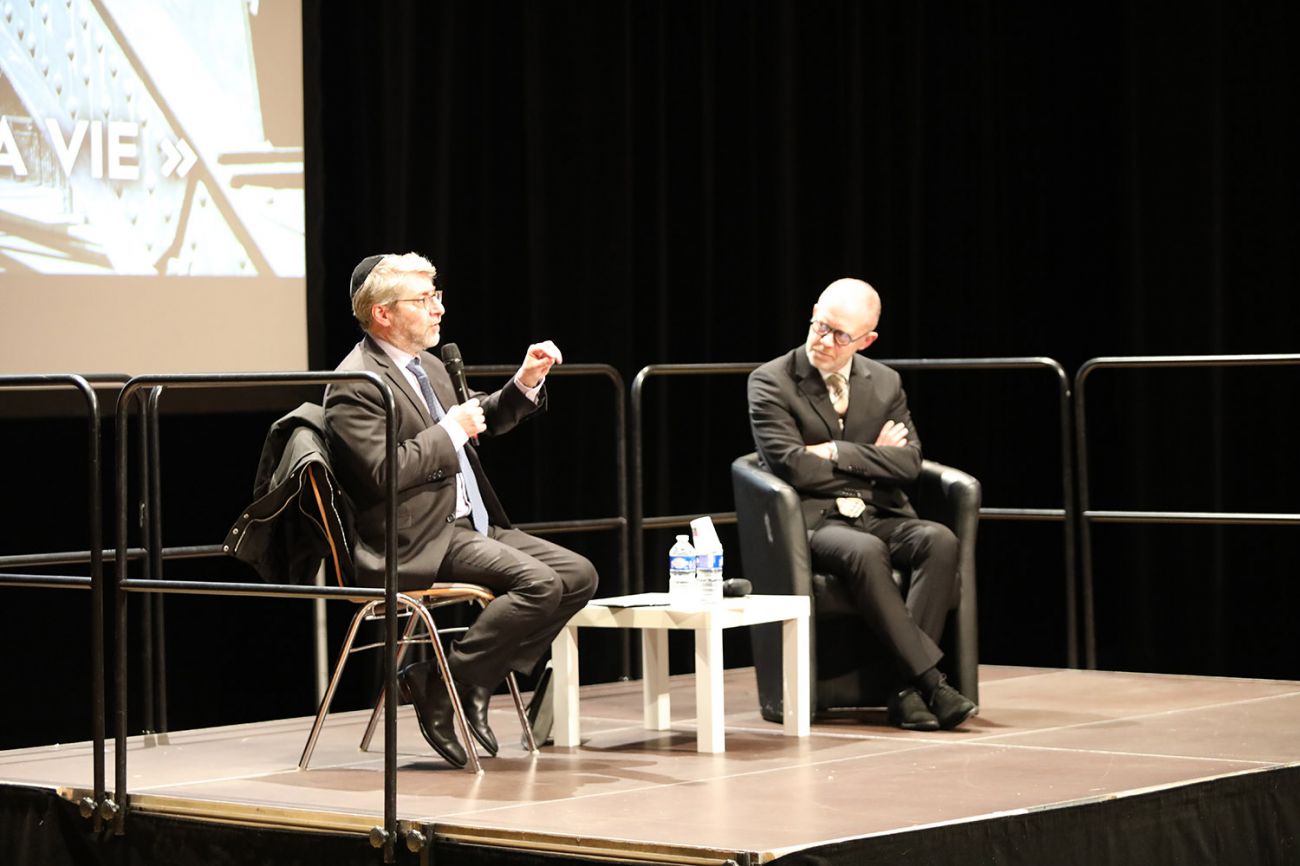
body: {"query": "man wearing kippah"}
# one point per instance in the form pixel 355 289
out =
pixel 835 426
pixel 450 526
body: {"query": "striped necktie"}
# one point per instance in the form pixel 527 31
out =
pixel 839 391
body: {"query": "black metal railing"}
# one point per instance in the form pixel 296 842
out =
pixel 385 836
pixel 1076 516
pixel 154 696
pixel 639 521
pixel 1088 516
pixel 94 557
pixel 620 521
pixel 153 661
pixel 151 554
pixel 1065 514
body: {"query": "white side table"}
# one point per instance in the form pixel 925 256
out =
pixel 655 620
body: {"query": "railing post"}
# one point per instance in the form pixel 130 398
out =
pixel 620 473
pixel 1067 513
pixel 115 809
pixel 89 807
pixel 1086 513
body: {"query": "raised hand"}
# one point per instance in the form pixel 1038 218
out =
pixel 538 361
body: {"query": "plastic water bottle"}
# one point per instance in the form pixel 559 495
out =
pixel 708 572
pixel 681 573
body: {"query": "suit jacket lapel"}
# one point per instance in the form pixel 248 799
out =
pixel 396 379
pixel 863 409
pixel 813 387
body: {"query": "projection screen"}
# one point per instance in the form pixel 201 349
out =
pixel 151 186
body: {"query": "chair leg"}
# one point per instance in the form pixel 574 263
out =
pixel 379 703
pixel 421 614
pixel 511 683
pixel 523 713
pixel 462 726
pixel 328 698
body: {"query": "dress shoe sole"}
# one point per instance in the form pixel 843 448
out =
pixel 916 726
pixel 405 690
pixel 948 725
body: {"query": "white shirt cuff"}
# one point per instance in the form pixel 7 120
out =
pixel 530 393
pixel 455 432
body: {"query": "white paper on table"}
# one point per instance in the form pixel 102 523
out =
pixel 641 599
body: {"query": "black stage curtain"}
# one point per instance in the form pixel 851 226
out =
pixel 674 182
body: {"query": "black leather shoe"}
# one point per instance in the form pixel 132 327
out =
pixel 907 709
pixel 950 706
pixel 421 685
pixel 474 700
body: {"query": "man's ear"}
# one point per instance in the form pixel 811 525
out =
pixel 868 340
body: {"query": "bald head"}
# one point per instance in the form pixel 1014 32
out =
pixel 848 311
pixel 855 299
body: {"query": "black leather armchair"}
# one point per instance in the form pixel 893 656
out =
pixel 848 667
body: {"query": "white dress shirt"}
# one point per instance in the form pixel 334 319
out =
pixel 454 431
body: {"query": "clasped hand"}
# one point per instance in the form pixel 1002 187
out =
pixel 893 435
pixel 469 415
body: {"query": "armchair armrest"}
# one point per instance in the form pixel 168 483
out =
pixel 948 495
pixel 953 497
pixel 773 540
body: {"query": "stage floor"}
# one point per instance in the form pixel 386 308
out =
pixel 1044 739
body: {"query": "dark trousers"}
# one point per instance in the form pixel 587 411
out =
pixel 538 586
pixel 863 552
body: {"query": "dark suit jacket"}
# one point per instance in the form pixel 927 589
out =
pixel 789 407
pixel 284 539
pixel 426 462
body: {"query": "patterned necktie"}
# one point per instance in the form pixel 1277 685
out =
pixel 839 390
pixel 478 512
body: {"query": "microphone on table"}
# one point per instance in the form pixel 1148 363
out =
pixel 736 587
pixel 455 365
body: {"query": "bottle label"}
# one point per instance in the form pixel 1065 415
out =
pixel 681 563
pixel 708 561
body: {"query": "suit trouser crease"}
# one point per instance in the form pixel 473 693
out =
pixel 863 553
pixel 538 585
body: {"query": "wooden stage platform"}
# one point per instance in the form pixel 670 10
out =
pixel 1075 762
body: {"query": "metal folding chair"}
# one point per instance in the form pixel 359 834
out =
pixel 417 607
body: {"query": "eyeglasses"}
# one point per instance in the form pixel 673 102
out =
pixel 429 299
pixel 842 338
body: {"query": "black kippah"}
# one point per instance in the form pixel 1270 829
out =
pixel 361 271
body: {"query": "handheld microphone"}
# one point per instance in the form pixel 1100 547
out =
pixel 455 365
pixel 736 587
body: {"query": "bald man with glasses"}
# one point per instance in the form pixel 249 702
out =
pixel 835 426
pixel 450 525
